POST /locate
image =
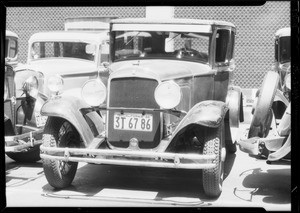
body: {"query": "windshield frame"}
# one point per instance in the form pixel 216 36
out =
pixel 113 44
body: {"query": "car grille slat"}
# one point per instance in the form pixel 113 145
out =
pixel 133 93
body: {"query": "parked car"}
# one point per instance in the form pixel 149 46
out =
pixel 15 146
pixel 269 134
pixel 11 48
pixel 168 103
pixel 75 56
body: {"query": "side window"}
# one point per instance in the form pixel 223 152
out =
pixel 6 47
pixel 11 47
pixel 223 42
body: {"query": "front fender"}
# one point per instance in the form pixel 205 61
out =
pixel 206 113
pixel 68 108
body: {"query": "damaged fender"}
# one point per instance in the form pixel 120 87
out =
pixel 206 113
pixel 69 108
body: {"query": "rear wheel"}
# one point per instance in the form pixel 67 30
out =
pixel 60 133
pixel 214 144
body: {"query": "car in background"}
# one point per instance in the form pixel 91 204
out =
pixel 16 144
pixel 282 64
pixel 169 102
pixel 269 135
pixel 76 56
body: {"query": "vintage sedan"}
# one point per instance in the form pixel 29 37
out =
pixel 168 103
pixel 269 135
pixel 75 57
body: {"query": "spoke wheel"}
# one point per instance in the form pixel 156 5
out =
pixel 60 133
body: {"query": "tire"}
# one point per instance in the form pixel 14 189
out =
pixel 30 155
pixel 213 144
pixel 262 117
pixel 60 133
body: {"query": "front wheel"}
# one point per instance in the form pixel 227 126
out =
pixel 60 133
pixel 214 144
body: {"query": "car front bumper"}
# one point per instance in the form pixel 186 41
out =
pixel 129 157
pixel 17 143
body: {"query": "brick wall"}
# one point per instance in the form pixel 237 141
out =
pixel 256 25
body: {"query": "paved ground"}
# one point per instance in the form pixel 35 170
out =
pixel 249 182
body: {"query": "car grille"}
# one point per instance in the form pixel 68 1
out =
pixel 133 93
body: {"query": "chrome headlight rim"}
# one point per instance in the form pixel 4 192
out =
pixel 55 84
pixel 31 86
pixel 94 92
pixel 168 94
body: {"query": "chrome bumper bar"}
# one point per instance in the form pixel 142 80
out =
pixel 16 143
pixel 129 158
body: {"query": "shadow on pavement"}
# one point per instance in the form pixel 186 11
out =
pixel 92 180
pixel 274 184
pixel 18 173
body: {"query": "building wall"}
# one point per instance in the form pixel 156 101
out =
pixel 256 25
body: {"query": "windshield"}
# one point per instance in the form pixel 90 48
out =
pixel 285 49
pixel 41 50
pixel 167 45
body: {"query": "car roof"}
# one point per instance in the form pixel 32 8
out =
pixel 11 34
pixel 283 32
pixel 78 36
pixel 171 21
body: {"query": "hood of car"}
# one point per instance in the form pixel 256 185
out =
pixel 158 69
pixel 60 66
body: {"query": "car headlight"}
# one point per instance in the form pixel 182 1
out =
pixel 55 84
pixel 93 92
pixel 5 90
pixel 287 81
pixel 31 86
pixel 167 94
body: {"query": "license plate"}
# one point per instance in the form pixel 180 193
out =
pixel 133 121
pixel 40 120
